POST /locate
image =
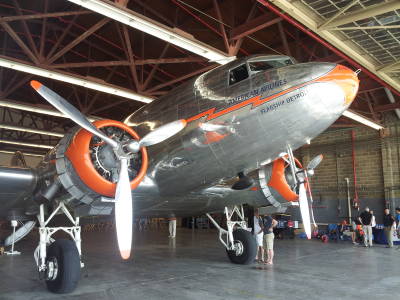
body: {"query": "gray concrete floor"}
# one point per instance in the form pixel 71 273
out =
pixel 195 266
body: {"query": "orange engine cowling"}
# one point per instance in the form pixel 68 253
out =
pixel 277 182
pixel 87 167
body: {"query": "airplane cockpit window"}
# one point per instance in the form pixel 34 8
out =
pixel 262 65
pixel 238 74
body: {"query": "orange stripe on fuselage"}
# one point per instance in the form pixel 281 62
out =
pixel 334 75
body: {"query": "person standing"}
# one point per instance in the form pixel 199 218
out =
pixel 172 227
pixel 268 228
pixel 258 235
pixel 365 219
pixel 353 230
pixel 398 221
pixel 373 221
pixel 388 222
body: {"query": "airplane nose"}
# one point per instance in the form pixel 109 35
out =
pixel 347 80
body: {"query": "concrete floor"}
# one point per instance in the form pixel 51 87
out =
pixel 195 267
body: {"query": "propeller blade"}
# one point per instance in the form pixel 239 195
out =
pixel 158 135
pixel 66 108
pixel 123 210
pixel 304 210
pixel 162 133
pixel 315 162
pixel 311 202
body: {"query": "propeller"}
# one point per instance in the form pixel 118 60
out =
pixel 123 194
pixel 67 109
pixel 314 163
pixel 303 200
pixel 156 136
pixel 305 210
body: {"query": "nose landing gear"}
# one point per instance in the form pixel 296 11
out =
pixel 59 261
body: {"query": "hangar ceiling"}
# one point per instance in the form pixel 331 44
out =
pixel 64 38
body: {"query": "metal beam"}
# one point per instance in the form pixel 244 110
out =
pixel 221 26
pixel 28 34
pixel 253 25
pixel 138 62
pixel 390 67
pixel 284 39
pixel 364 13
pixel 184 77
pixel 301 16
pixel 154 69
pixel 44 15
pixel 79 39
pixel 341 11
pixel 366 27
pixel 19 42
pixel 387 107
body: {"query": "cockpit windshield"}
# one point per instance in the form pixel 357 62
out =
pixel 271 63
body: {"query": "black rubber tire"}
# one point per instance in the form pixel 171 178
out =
pixel 249 248
pixel 69 266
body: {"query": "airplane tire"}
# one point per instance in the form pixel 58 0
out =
pixel 66 256
pixel 248 248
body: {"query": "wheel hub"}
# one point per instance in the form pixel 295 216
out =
pixel 238 248
pixel 51 268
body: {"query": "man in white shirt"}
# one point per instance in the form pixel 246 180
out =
pixel 258 235
pixel 172 227
pixel 373 222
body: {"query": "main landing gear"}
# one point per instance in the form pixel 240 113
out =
pixel 59 261
pixel 239 242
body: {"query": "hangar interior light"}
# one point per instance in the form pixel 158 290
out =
pixel 11 64
pixel 44 111
pixel 156 29
pixel 24 153
pixel 361 119
pixel 31 130
pixel 26 144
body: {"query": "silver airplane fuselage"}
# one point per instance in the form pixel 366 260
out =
pixel 237 128
pixel 232 127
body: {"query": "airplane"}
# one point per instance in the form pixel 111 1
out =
pixel 211 145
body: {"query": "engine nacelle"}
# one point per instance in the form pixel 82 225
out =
pixel 277 183
pixel 87 168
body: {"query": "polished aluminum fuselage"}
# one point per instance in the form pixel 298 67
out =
pixel 186 172
pixel 231 129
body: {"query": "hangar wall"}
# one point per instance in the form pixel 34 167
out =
pixel 377 165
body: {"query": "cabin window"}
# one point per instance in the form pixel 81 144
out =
pixel 257 66
pixel 238 74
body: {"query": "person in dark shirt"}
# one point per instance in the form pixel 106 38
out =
pixel 365 218
pixel 268 225
pixel 388 222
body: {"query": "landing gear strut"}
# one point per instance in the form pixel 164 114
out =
pixel 240 244
pixel 59 261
